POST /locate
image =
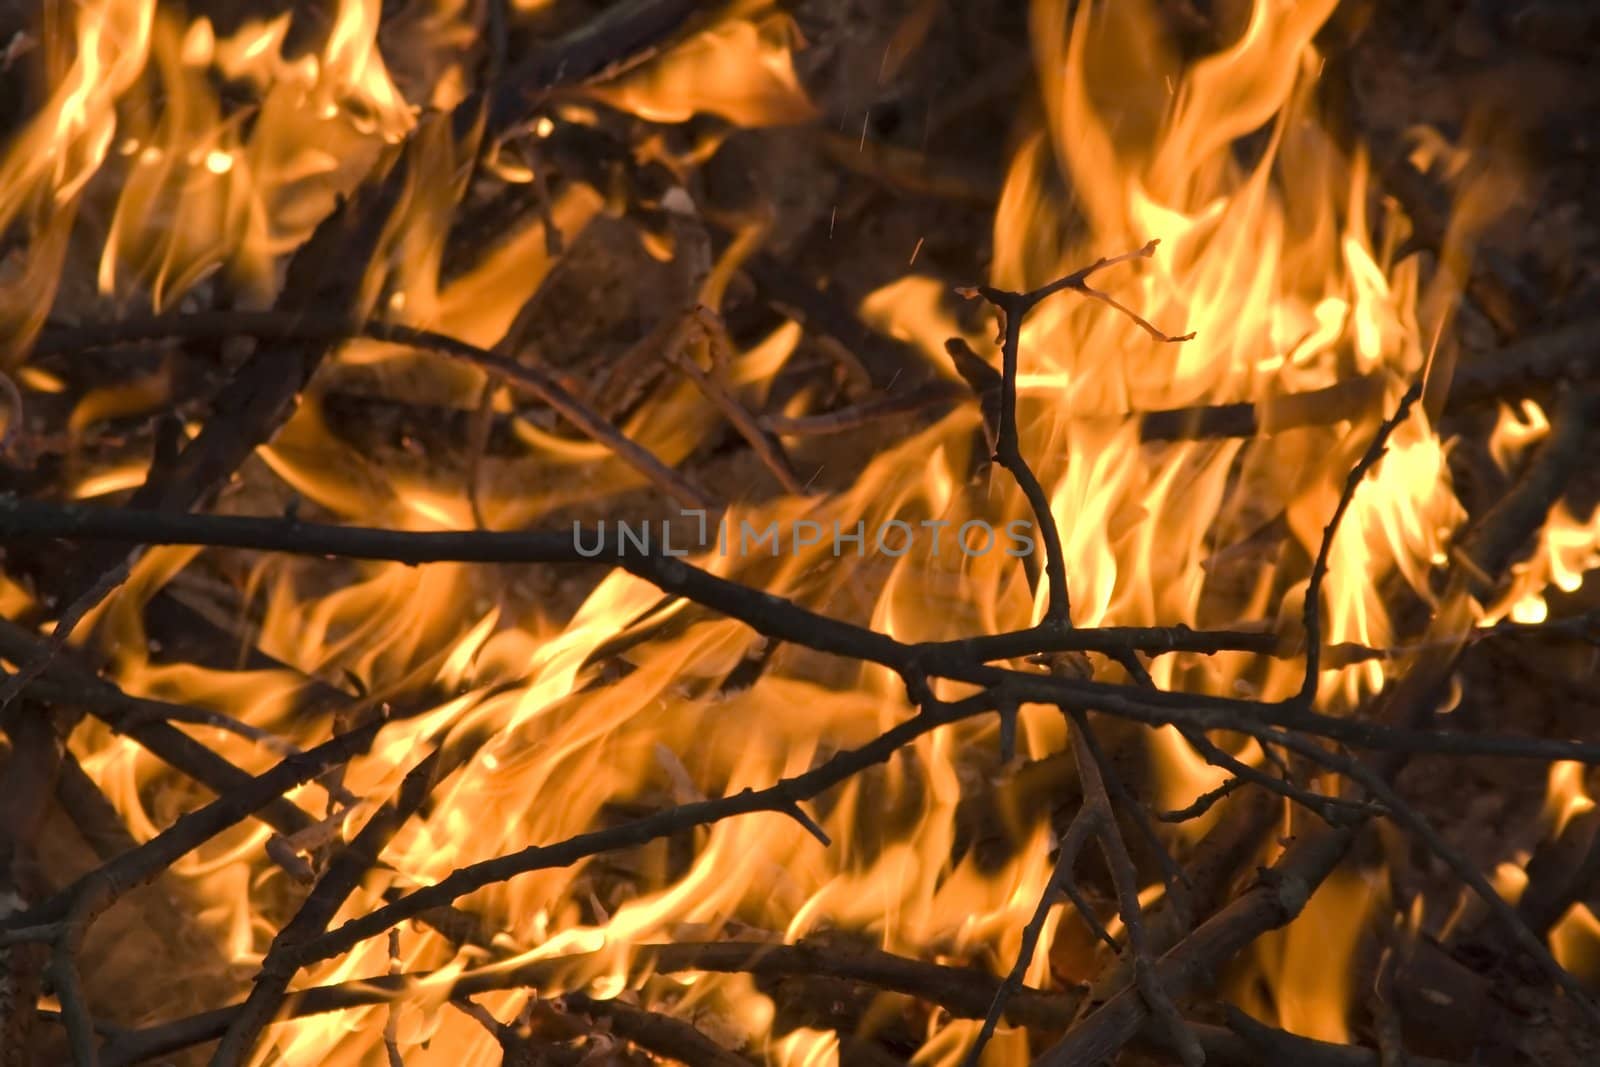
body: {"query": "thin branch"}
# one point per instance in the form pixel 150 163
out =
pixel 778 798
pixel 66 623
pixel 1276 899
pixel 963 991
pixel 771 616
pixel 1489 549
pixel 1407 816
pixel 92 893
pixel 703 323
pixel 1319 569
pixel 1333 810
pixel 1013 308
pixel 1125 879
pixel 75 1016
pixel 343 875
pixel 1082 827
pixel 660 1034
pixel 311 327
pixel 1248 1042
pixel 147 722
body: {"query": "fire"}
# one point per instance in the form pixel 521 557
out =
pixel 1567 547
pixel 740 70
pixel 1575 936
pixel 565 708
pixel 1303 972
pixel 1566 796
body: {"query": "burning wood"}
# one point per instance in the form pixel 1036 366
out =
pixel 1057 676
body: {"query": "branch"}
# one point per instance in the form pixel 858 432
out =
pixel 661 1034
pixel 771 616
pixel 1125 879
pixel 1273 901
pixel 702 321
pixel 146 721
pixel 311 327
pixel 963 991
pixel 1489 549
pixel 1250 1043
pixel 1013 308
pixel 94 892
pixel 345 872
pixel 1083 825
pixel 1319 569
pixel 780 798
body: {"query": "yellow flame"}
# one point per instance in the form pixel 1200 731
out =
pixel 1307 968
pixel 1575 942
pixel 740 70
pixel 1566 795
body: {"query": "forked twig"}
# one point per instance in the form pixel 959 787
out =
pixel 1084 824
pixel 1012 309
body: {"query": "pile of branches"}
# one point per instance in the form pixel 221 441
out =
pixel 1164 957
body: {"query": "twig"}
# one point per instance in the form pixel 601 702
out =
pixel 91 811
pixel 963 991
pixel 660 1034
pixel 1331 809
pixel 773 617
pixel 1125 879
pixel 841 420
pixel 1312 612
pixel 1491 546
pixel 75 1017
pixel 1247 1042
pixel 1013 308
pixel 1083 825
pixel 777 798
pixel 66 622
pixel 92 893
pixel 1543 360
pixel 1272 902
pixel 1407 816
pixel 343 875
pixel 310 326
pixel 702 321
pixel 65 681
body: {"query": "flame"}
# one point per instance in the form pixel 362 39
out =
pixel 741 70
pixel 1305 970
pixel 1566 796
pixel 1567 546
pixel 1516 430
pixel 1575 942
pixel 572 706
pixel 64 144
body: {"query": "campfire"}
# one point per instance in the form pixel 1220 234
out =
pixel 804 533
